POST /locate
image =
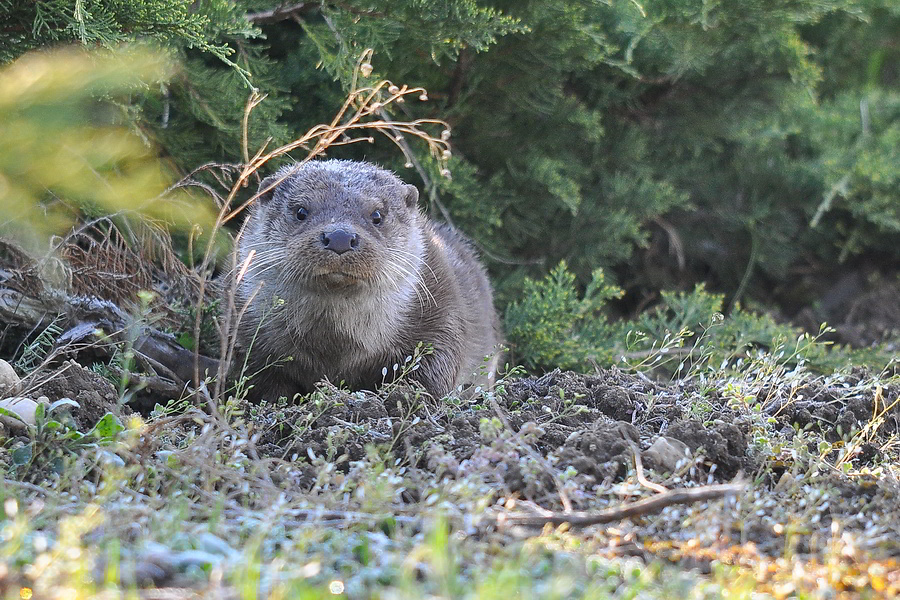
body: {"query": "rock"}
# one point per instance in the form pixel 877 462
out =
pixel 23 407
pixel 665 453
pixel 10 384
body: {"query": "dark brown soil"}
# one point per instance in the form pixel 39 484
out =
pixel 588 422
pixel 94 394
pixel 833 410
pixel 537 436
pixel 861 304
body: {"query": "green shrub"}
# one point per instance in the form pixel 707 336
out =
pixel 675 142
pixel 553 325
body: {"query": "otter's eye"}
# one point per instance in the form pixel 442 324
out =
pixel 376 218
pixel 302 213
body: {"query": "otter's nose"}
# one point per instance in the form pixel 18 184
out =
pixel 340 240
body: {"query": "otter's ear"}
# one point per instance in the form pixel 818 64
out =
pixel 267 188
pixel 411 196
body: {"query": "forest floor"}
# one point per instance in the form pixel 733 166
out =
pixel 395 494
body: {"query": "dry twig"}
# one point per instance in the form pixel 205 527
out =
pixel 625 511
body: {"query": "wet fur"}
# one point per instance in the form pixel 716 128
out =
pixel 415 282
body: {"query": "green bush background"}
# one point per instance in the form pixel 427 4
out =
pixel 751 145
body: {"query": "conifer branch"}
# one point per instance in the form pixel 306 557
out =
pixel 281 13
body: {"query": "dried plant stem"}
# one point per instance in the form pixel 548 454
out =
pixel 632 509
pixel 639 471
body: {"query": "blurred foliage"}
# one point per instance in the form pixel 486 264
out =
pixel 196 113
pixel 68 154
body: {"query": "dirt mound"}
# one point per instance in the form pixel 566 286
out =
pixel 531 429
pixel 834 408
pixel 561 440
pixel 94 394
pixel 523 433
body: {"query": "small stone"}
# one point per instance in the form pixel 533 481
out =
pixel 23 407
pixel 9 380
pixel 665 453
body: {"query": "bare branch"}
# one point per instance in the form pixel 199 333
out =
pixel 633 509
pixel 281 13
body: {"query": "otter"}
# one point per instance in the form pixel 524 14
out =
pixel 343 277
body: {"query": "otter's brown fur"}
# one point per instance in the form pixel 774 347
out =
pixel 345 275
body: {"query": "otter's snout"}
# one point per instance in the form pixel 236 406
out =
pixel 340 240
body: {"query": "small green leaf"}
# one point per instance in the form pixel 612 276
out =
pixel 363 552
pixel 62 402
pixel 107 428
pixel 72 434
pixel 186 340
pixel 22 456
pixel 8 413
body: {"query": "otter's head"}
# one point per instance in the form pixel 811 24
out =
pixel 333 226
